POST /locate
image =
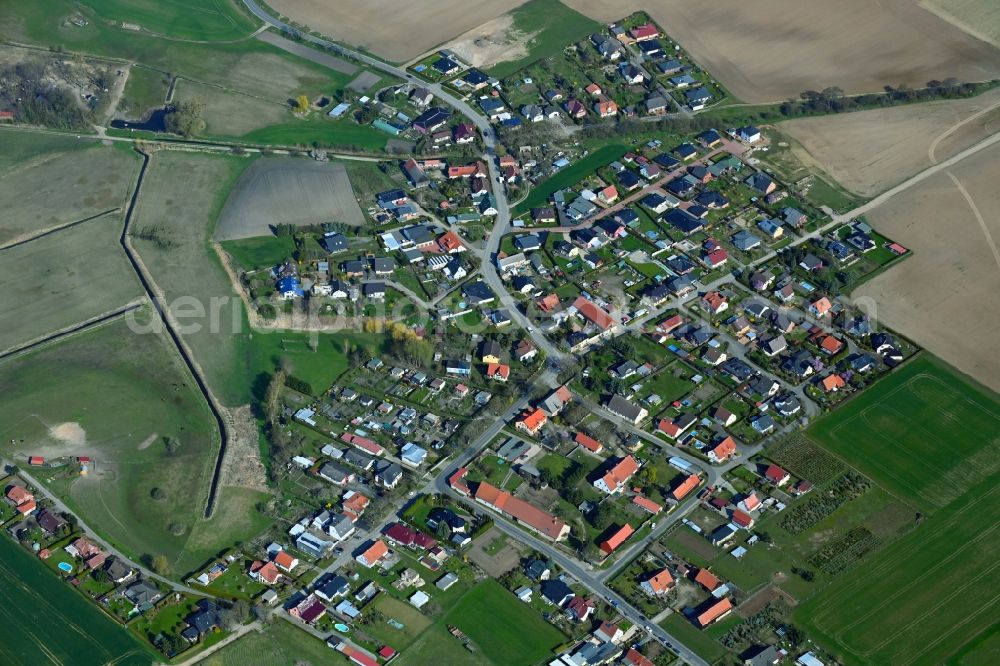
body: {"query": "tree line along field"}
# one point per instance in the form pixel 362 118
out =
pixel 47 181
pixel 928 435
pixel 44 621
pixel 116 395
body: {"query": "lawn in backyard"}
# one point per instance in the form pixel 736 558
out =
pixel 503 629
pixel 260 252
pixel 569 176
pixel 278 643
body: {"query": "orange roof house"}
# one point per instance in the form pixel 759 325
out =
pixel 26 507
pixel 614 480
pixel 617 538
pixel 588 442
pixel 608 195
pixel 723 451
pixel 264 572
pixel 657 584
pixel 19 495
pixel 776 475
pixel 832 383
pixel 715 302
pixel 525 513
pixel 831 345
pixel 355 502
pixel 373 554
pixel 714 612
pixel 465 171
pixel 450 242
pixel 548 303
pixel 285 561
pixel 498 371
pixel 606 108
pixel 744 520
pixel 593 89
pixel 647 504
pixel 592 313
pixel 668 428
pixel 532 421
pixel 820 307
pixel 685 487
pixel 707 579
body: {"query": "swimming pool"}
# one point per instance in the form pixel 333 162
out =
pixel 65 566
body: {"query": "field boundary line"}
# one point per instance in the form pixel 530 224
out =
pixel 887 566
pixel 932 149
pixel 903 589
pixel 73 329
pixel 955 592
pixel 17 242
pixel 951 630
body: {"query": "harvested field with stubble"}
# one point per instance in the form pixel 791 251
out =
pixel 288 191
pixel 390 29
pixel 858 45
pixel 870 151
pixel 946 297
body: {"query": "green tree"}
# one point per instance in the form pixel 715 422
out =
pixel 185 118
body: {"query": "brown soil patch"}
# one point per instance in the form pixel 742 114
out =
pixel 946 297
pixel 69 433
pixel 870 151
pixel 243 467
pixel 492 42
pixel 774 49
pixel 696 544
pixel 499 563
pixel 757 602
pixel 394 30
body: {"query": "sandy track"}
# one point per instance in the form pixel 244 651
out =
pixel 392 29
pixel 947 295
pixel 870 151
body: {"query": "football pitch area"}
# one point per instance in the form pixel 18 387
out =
pixel 932 437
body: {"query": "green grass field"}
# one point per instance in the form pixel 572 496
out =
pixel 280 643
pixel 54 282
pixel 569 176
pixel 205 20
pixel 47 181
pixel 126 392
pixel 44 621
pixel 552 25
pixel 923 433
pixel 504 629
pixel 252 253
pixel 321 130
pixel 928 435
